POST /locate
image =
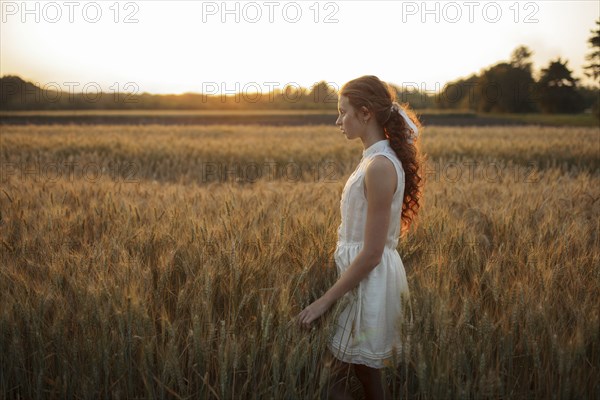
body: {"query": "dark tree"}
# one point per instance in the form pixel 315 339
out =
pixel 593 68
pixel 460 94
pixel 507 88
pixel 520 58
pixel 557 89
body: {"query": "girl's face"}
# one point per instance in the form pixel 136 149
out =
pixel 348 122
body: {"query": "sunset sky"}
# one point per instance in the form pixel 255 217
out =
pixel 188 46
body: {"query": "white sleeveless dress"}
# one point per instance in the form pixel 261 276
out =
pixel 367 330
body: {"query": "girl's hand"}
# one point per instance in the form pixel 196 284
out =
pixel 312 312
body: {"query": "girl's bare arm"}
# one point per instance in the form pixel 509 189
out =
pixel 380 182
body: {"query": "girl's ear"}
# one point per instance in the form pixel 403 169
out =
pixel 365 111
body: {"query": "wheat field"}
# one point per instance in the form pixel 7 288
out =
pixel 169 261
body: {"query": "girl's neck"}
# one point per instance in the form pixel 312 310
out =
pixel 372 137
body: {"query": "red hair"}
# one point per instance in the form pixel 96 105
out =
pixel 378 97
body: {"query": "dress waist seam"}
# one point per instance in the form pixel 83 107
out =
pixel 350 243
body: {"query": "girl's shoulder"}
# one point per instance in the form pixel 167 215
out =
pixel 383 155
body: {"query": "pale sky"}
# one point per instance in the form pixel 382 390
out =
pixel 195 46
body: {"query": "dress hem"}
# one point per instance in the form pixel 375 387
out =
pixel 373 361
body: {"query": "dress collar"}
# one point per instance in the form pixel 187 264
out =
pixel 375 147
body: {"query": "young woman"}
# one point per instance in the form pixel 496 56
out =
pixel 379 202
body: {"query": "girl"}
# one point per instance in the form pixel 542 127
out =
pixel 379 202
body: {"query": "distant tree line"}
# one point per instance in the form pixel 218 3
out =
pixel 506 87
pixel 509 87
pixel 18 94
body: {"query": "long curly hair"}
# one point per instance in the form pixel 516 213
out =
pixel 378 97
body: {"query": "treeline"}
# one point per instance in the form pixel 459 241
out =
pixel 18 94
pixel 509 87
pixel 506 87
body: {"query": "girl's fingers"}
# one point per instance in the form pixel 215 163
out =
pixel 301 318
pixel 304 319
